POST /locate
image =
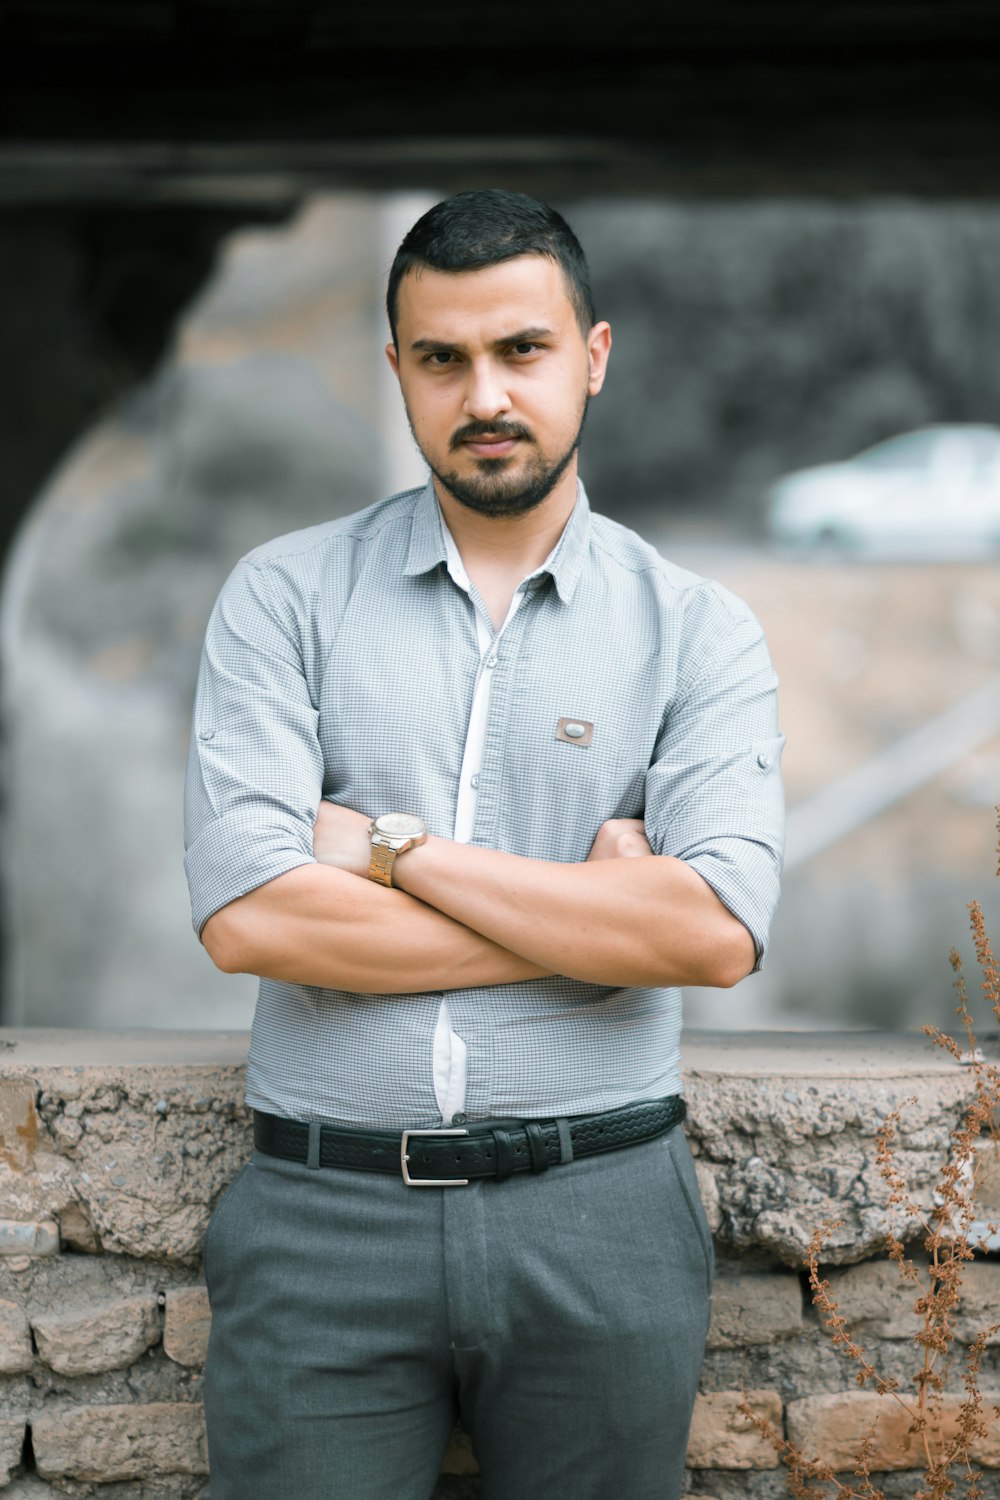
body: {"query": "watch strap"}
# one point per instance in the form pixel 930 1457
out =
pixel 381 861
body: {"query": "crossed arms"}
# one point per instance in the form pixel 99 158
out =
pixel 281 892
pixel 463 916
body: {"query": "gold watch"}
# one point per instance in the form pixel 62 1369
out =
pixel 391 835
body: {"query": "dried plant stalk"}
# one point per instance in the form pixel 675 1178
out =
pixel 942 1449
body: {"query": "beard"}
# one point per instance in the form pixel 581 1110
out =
pixel 494 490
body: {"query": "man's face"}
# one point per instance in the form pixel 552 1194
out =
pixel 496 374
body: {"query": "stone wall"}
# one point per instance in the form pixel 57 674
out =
pixel 114 1147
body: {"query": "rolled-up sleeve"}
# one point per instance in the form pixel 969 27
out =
pixel 255 769
pixel 713 791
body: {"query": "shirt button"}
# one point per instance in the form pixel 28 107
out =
pixel 491 662
pixel 764 761
pixel 575 731
pixel 206 734
pixel 475 781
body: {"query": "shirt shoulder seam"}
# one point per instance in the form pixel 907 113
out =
pixel 347 533
pixel 696 584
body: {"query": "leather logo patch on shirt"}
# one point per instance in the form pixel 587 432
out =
pixel 575 732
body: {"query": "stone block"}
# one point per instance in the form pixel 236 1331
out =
pixel 110 1443
pixel 187 1325
pixel 30 1238
pixel 988 1181
pixel 99 1336
pixel 979 1307
pixel 18 1122
pixel 833 1428
pixel 877 1302
pixel 755 1308
pixel 722 1437
pixel 875 1299
pixel 16 1354
pixel 986 1450
pixel 11 1445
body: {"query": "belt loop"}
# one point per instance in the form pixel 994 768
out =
pixel 565 1142
pixel 312 1151
pixel 536 1146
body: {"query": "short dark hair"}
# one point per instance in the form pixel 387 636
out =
pixel 483 228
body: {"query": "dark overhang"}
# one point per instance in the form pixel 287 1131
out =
pixel 257 101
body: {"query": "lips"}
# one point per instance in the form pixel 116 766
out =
pixel 482 440
pixel 490 447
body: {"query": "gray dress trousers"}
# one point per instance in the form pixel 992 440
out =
pixel 561 1318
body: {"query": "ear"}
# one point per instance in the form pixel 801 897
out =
pixel 392 355
pixel 598 351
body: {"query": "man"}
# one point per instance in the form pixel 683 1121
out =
pixel 477 781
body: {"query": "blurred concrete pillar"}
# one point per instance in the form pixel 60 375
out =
pixel 260 420
pixel 403 466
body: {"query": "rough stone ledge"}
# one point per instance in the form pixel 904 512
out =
pixel 126 1139
pixel 784 1128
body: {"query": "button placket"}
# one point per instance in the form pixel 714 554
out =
pixel 490 662
pixel 503 669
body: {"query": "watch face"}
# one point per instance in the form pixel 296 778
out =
pixel 400 825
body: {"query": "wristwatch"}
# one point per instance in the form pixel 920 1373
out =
pixel 391 835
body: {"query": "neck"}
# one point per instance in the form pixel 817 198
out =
pixel 519 544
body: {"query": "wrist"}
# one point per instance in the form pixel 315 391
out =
pixel 411 867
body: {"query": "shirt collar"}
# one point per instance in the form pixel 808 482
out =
pixel 566 561
pixel 428 546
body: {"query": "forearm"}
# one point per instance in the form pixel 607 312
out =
pixel 323 927
pixel 650 921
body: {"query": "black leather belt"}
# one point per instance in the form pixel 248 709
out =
pixel 452 1157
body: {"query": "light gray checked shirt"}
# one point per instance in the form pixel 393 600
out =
pixel 341 662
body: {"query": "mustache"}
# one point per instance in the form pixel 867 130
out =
pixel 473 430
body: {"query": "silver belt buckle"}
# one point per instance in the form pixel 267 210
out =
pixel 427 1181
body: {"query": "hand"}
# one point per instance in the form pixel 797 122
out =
pixel 340 838
pixel 620 838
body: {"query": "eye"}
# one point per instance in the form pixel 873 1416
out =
pixel 524 348
pixel 440 358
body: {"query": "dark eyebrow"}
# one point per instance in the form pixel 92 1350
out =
pixel 523 336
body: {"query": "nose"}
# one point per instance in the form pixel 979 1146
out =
pixel 486 393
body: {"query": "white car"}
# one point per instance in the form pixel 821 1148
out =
pixel 930 493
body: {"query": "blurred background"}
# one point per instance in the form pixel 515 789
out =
pixel 803 403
